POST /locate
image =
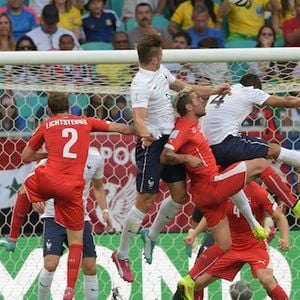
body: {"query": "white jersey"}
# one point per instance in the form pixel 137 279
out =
pixel 224 115
pixel 150 90
pixel 93 170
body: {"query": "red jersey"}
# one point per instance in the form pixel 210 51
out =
pixel 260 201
pixel 288 27
pixel 67 141
pixel 187 138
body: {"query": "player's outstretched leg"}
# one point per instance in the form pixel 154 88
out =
pixel 148 245
pixel 123 267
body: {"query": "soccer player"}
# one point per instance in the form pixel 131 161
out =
pixel 224 116
pixel 153 120
pixel 246 249
pixel 211 188
pixel 54 235
pixel 66 139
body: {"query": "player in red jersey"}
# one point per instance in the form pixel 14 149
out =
pixel 66 138
pixel 211 188
pixel 245 248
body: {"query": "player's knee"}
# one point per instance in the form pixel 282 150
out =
pixel 274 151
pixel 89 268
pixel 181 197
pixel 50 265
pixel 267 279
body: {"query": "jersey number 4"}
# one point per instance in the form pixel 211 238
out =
pixel 218 100
pixel 72 134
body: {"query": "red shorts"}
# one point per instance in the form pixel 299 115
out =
pixel 41 186
pixel 210 195
pixel 232 261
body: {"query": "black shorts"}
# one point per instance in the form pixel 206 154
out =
pixel 238 148
pixel 55 237
pixel 150 170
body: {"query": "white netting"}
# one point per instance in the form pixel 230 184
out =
pixel 98 85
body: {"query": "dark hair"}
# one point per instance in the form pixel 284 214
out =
pixel 66 35
pixel 148 48
pixel 181 100
pixel 26 38
pixel 210 7
pixel 16 112
pixel 251 80
pixel 121 99
pixel 209 42
pixel 143 4
pixel 185 35
pixel 259 33
pixel 58 102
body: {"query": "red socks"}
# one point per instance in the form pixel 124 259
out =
pixel 74 262
pixel 20 212
pixel 206 260
pixel 278 293
pixel 277 186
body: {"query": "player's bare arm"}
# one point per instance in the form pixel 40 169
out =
pixel 201 227
pixel 170 157
pixel 121 128
pixel 283 226
pixel 100 196
pixel 28 155
pixel 201 90
pixel 288 102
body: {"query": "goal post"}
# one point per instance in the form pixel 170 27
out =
pixel 97 83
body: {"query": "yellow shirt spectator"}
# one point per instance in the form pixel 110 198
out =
pixel 70 19
pixel 183 15
pixel 247 21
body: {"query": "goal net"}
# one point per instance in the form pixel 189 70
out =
pixel 97 84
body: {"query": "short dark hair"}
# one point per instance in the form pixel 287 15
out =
pixel 143 4
pixel 148 48
pixel 58 102
pixel 181 100
pixel 185 35
pixel 26 38
pixel 251 80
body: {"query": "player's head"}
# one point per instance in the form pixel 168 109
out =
pixel 188 103
pixel 251 80
pixel 58 102
pixel 240 290
pixel 150 52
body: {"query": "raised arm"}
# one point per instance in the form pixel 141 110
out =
pixel 287 102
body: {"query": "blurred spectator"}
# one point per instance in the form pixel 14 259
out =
pixel 120 112
pixel 22 17
pixel 128 11
pixel 69 16
pixel 201 30
pixel 7 42
pixel 286 12
pixel 173 4
pixel 9 114
pixel 98 26
pixel 25 43
pixel 46 36
pixel 117 74
pixel 38 5
pixel 144 16
pixel 182 71
pixel 182 17
pixel 98 107
pixel 217 72
pixel 244 22
pixel 265 69
pixel 291 28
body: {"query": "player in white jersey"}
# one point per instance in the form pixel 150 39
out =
pixel 154 119
pixel 222 123
pixel 55 235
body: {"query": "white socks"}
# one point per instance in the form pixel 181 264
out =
pixel 132 225
pixel 241 202
pixel 45 281
pixel 167 211
pixel 289 157
pixel 91 289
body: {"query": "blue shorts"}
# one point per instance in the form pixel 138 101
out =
pixel 150 170
pixel 55 239
pixel 238 148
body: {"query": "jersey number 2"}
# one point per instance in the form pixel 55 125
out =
pixel 72 134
